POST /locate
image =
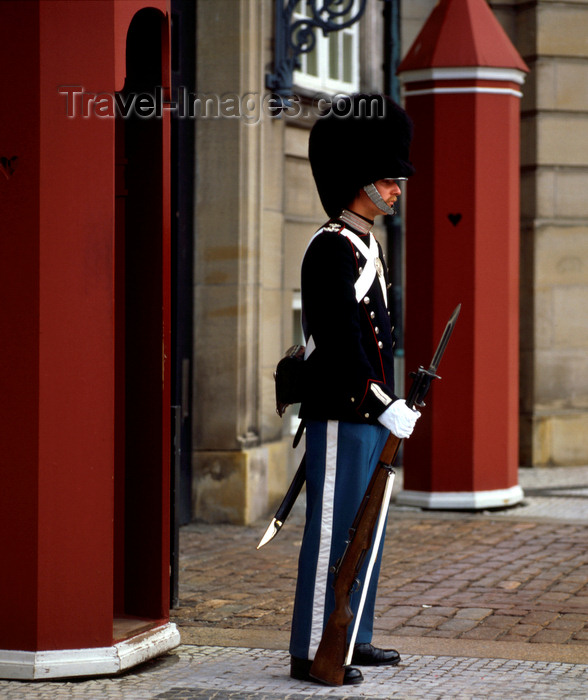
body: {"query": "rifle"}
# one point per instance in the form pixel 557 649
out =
pixel 329 662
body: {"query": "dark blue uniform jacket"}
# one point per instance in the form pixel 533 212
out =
pixel 350 374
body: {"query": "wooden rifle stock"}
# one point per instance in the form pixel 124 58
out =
pixel 329 662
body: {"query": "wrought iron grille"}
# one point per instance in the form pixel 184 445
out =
pixel 293 38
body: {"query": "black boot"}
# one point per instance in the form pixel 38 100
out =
pixel 367 655
pixel 300 670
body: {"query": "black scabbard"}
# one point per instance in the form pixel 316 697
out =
pixel 286 505
pixel 292 493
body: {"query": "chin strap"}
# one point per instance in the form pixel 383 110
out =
pixel 372 192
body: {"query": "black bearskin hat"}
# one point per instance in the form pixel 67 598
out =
pixel 362 139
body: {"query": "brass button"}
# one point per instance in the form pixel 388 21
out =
pixel 372 314
pixel 366 415
pixel 380 344
pixel 366 300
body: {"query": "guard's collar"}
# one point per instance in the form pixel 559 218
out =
pixel 356 221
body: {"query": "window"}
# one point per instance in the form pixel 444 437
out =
pixel 333 65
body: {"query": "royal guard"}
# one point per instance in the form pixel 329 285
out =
pixel 359 156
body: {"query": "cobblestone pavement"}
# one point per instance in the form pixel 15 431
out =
pixel 234 673
pixel 511 575
pixel 480 605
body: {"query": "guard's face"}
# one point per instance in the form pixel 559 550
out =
pixel 389 188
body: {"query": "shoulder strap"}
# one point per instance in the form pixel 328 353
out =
pixel 373 266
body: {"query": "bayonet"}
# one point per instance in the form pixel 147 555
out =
pixel 422 378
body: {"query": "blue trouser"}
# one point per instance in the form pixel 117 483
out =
pixel 340 460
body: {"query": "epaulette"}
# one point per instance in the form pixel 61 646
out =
pixel 333 227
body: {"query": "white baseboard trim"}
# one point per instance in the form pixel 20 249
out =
pixel 66 663
pixel 461 500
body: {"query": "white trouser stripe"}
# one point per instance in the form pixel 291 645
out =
pixel 322 567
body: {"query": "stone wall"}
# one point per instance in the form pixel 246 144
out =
pixel 552 38
pixel 239 456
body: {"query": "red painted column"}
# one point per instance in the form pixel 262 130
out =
pixel 462 80
pixel 57 378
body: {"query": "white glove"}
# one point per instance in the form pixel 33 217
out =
pixel 399 419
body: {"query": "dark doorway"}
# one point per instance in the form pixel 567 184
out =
pixel 183 66
pixel 183 145
pixel 141 575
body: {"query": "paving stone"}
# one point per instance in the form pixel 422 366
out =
pixel 513 611
pixel 546 636
pixel 458 625
pixel 540 617
pixel 487 633
pixel 406 610
pixel 409 631
pixel 389 623
pixel 521 632
pixel 572 622
pixel 500 621
pixel 474 613
pixel 430 621
pixel 438 610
